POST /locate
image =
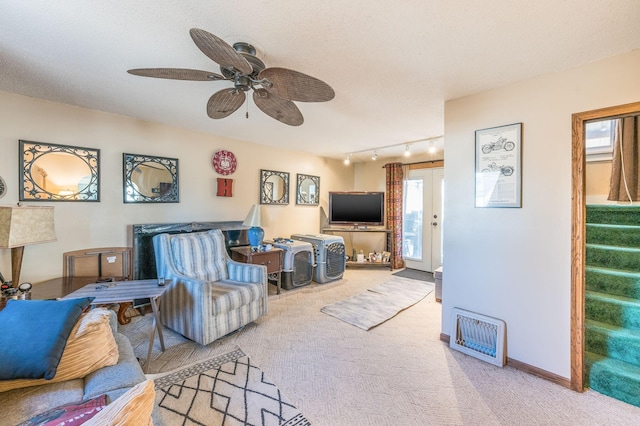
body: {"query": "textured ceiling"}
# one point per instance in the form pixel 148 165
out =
pixel 392 64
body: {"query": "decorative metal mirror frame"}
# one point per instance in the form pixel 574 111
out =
pixel 131 195
pixel 30 152
pixel 316 198
pixel 266 194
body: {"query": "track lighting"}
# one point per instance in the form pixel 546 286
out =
pixel 407 153
pixel 347 160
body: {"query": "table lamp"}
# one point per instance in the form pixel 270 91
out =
pixel 254 221
pixel 21 226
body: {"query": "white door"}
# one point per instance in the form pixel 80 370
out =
pixel 422 219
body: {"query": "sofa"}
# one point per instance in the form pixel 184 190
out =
pixel 208 295
pixel 114 381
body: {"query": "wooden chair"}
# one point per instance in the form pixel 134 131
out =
pixel 105 263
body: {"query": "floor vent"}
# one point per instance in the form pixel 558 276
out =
pixel 478 335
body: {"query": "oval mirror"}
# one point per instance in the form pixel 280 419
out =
pixel 274 187
pixel 308 190
pixel 58 172
pixel 150 179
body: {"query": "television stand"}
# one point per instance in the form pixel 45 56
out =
pixel 366 264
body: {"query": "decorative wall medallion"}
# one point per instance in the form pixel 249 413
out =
pixel 3 187
pixel 224 187
pixel 224 162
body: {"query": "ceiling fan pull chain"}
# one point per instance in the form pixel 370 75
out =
pixel 247 115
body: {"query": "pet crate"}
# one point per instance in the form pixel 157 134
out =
pixel 298 262
pixel 329 253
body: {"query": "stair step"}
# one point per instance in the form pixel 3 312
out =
pixel 613 342
pixel 613 281
pixel 614 214
pixel 613 235
pixel 612 377
pixel 610 309
pixel 625 258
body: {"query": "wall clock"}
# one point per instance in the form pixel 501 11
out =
pixel 224 162
pixel 3 187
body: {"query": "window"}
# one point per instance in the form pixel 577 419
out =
pixel 599 138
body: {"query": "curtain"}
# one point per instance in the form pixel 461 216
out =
pixel 394 211
pixel 626 161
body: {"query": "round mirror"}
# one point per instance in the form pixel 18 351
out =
pixel 274 187
pixel 60 173
pixel 151 179
pixel 307 191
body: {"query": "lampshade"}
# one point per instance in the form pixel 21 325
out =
pixel 21 226
pixel 253 218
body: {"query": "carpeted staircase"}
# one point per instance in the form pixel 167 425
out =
pixel 612 305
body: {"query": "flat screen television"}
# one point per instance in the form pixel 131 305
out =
pixel 356 208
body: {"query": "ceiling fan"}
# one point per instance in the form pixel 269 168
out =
pixel 274 89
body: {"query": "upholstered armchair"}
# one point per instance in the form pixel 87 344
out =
pixel 208 295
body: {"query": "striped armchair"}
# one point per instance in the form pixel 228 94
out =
pixel 208 295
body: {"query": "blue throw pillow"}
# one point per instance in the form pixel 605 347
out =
pixel 34 334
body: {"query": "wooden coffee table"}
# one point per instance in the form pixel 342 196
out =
pixel 126 291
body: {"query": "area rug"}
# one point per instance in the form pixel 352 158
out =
pixel 225 390
pixel 415 274
pixel 379 304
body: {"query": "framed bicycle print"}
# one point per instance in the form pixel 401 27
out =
pixel 498 175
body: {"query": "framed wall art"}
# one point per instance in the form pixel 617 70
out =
pixel 498 175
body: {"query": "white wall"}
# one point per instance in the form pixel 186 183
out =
pixel 514 263
pixel 89 224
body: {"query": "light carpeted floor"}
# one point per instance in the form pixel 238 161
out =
pixel 398 373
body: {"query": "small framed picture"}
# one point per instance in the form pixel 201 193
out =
pixel 498 177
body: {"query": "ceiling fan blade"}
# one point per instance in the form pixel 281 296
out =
pixel 177 74
pixel 281 109
pixel 296 86
pixel 225 102
pixel 219 51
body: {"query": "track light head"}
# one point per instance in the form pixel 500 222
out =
pixel 374 157
pixel 407 153
pixel 347 160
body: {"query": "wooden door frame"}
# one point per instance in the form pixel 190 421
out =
pixel 578 230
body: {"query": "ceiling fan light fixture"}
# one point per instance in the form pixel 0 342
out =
pixel 240 65
pixel 243 83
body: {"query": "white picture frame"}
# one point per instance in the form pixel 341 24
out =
pixel 498 177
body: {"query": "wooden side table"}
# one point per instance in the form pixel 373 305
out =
pixel 273 259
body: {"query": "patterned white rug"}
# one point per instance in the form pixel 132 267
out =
pixel 224 390
pixel 381 303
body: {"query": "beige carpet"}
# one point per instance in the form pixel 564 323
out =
pixel 398 373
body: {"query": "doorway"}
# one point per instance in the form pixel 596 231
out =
pixel 578 232
pixel 422 219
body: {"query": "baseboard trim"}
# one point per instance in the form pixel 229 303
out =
pixel 530 369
